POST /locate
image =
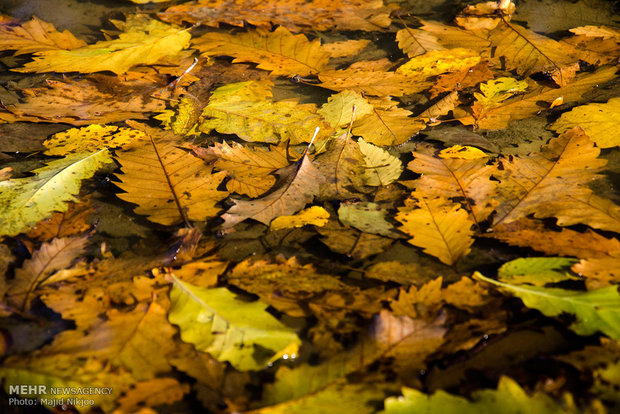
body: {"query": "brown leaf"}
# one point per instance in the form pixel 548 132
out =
pixel 68 223
pixel 463 79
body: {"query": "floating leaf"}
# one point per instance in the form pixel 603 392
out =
pixel 26 201
pixel 439 61
pixel 594 311
pixel 143 42
pixel 599 121
pixel 371 82
pixel 215 321
pixel 509 397
pixel 280 52
pixel 415 42
pixel 437 225
pixel 467 78
pixel 537 271
pixel 36 36
pixel 342 166
pixel 338 110
pixel 315 215
pixel 460 152
pixel 90 138
pixel 300 183
pixel 180 188
pixel 498 90
pixel 382 168
pixel 366 217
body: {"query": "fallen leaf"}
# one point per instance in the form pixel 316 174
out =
pixel 599 272
pixel 35 36
pixel 338 111
pixel 342 166
pixel 366 217
pixel 154 392
pixel 346 47
pixel 439 226
pixel 351 242
pixel 599 121
pixel 536 271
pixel 90 138
pixel 437 62
pixel 382 168
pixel 371 82
pixel 315 215
pixel 460 152
pixel 280 52
pixel 460 80
pixel 214 321
pixel 64 224
pixel 181 189
pixel 415 42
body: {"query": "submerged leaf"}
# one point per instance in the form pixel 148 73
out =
pixel 382 168
pixel 26 201
pixel 216 321
pixel 315 215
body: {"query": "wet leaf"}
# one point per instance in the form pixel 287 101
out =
pixel 315 215
pixel 366 217
pixel 536 271
pixel 90 138
pixel 371 82
pixel 338 110
pixel 214 320
pixel 382 168
pixel 34 36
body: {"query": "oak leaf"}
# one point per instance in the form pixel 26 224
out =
pixel 90 138
pixel 280 52
pixel 250 169
pixel 55 255
pixel 35 36
pixel 300 183
pixel 466 180
pixel 388 124
pixel 315 215
pixel 143 42
pixel 323 15
pixel 438 226
pixel 26 201
pixel 215 321
pixel 382 168
pixel 599 121
pixel 545 183
pixel 169 185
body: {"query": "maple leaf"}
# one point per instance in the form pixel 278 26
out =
pixel 143 42
pixel 599 121
pixel 79 102
pixel 35 36
pixel 55 255
pixel 596 310
pixel 250 169
pixel 242 109
pixel 387 124
pixel 382 168
pixel 466 180
pixel 214 321
pixel 90 138
pixel 438 226
pixel 528 185
pixel 180 188
pixel 280 52
pixel 323 15
pixel 26 201
pixel 371 82
pixel 524 106
pixel 508 396
pixel 300 182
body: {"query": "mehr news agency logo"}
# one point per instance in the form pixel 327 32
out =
pixel 55 396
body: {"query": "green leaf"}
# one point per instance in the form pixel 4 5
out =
pixel 26 201
pixel 596 310
pixel 537 271
pixel 218 322
pixel 382 168
pixel 509 398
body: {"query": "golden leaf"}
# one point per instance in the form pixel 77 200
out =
pixel 415 42
pixel 342 166
pixel 296 15
pixel 371 82
pixel 441 107
pixel 169 185
pixel 153 392
pixel 597 31
pixel 55 255
pixel 599 272
pixel 462 153
pixel 419 303
pixel 346 47
pixel 382 168
pixel 524 106
pixel 250 169
pixel 438 226
pixel 280 52
pixel 437 62
pixel 600 121
pixel 90 138
pixel 464 79
pixel 35 36
pixel 64 224
pixel 143 42
pixel 545 183
pixel 338 111
pixel 300 183
pixel 315 215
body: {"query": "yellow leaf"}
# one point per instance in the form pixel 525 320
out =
pixel 90 138
pixel 462 153
pixel 382 168
pixel 346 48
pixel 256 118
pixel 180 188
pixel 144 42
pixel 524 106
pixel 498 90
pixel 300 183
pixel 415 42
pixel 597 31
pixel 388 124
pixel 439 61
pixel 342 165
pixel 280 52
pixel 439 226
pixel 371 82
pixel 419 303
pixel 441 107
pixel 36 36
pixel 315 215
pixel 338 110
pixel 151 393
pixel 600 121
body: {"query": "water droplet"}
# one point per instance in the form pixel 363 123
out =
pixel 204 316
pixel 285 356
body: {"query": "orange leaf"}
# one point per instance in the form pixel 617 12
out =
pixel 35 36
